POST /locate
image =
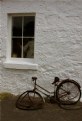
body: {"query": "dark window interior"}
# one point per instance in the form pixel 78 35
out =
pixel 23 36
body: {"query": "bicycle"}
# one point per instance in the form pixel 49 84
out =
pixel 66 92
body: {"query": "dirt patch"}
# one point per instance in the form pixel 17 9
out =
pixel 50 112
pixel 6 95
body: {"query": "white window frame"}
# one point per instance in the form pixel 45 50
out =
pixel 17 63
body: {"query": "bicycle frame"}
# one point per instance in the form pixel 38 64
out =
pixel 46 92
pixel 43 90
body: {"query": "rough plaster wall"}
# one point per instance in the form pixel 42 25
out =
pixel 58 43
pixel 0 31
pixel 0 45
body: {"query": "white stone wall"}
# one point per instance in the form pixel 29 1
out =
pixel 0 47
pixel 58 43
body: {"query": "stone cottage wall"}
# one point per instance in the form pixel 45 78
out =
pixel 58 43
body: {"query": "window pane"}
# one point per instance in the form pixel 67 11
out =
pixel 16 47
pixel 29 26
pixel 28 48
pixel 17 26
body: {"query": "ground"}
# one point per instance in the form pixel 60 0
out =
pixel 50 112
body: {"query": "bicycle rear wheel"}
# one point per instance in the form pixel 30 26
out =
pixel 68 92
pixel 30 100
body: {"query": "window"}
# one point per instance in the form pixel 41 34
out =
pixel 22 45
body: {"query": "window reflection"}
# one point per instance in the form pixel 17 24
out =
pixel 28 48
pixel 16 47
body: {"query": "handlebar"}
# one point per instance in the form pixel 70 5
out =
pixel 56 79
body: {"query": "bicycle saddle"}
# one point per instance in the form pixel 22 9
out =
pixel 34 78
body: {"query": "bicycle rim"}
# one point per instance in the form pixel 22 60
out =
pixel 30 100
pixel 68 92
pixel 23 101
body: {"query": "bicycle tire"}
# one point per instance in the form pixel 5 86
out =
pixel 68 92
pixel 30 100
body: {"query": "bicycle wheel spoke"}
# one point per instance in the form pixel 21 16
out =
pixel 30 100
pixel 68 92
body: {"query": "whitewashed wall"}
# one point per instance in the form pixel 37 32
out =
pixel 0 48
pixel 58 42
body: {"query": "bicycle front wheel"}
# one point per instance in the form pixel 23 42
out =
pixel 68 92
pixel 30 100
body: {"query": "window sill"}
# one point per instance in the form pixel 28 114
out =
pixel 20 65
